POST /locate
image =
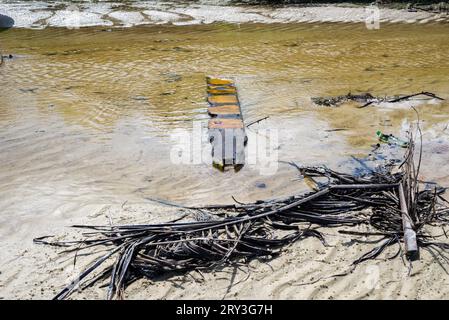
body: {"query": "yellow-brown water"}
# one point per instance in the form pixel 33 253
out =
pixel 86 115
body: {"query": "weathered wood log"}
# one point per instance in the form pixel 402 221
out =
pixel 411 246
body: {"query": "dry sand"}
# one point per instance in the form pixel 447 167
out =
pixel 302 272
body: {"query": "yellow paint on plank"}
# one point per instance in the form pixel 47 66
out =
pixel 223 99
pixel 222 90
pixel 224 86
pixel 218 82
pixel 225 110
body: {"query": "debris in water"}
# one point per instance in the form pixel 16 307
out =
pixel 261 185
pixel 368 99
pixel 3 58
pixel 336 101
pixel 28 90
pixel 391 139
pixel 257 121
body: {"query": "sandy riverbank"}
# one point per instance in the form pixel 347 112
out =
pixel 38 14
pixel 303 271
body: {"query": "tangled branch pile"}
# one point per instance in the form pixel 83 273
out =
pixel 390 201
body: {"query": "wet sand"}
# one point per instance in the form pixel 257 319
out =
pixel 85 136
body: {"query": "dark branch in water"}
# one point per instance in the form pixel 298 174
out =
pixel 424 93
pixel 257 121
pixel 336 101
pixel 368 99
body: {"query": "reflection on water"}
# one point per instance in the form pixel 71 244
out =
pixel 86 115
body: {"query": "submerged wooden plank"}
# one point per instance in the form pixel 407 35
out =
pixel 218 81
pixel 225 110
pixel 226 130
pixel 214 90
pixel 228 146
pixel 223 123
pixel 216 100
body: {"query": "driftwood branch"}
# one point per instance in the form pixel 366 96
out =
pixel 368 99
pixel 423 93
pixel 257 121
pixel 411 246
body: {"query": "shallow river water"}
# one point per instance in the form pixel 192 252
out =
pixel 87 116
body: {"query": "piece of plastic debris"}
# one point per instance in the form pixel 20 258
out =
pixel 390 139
